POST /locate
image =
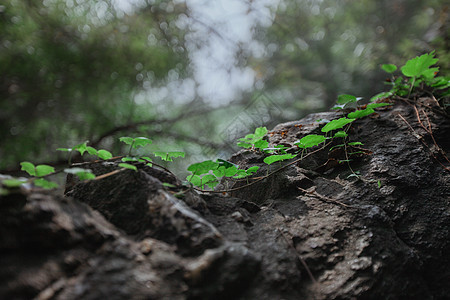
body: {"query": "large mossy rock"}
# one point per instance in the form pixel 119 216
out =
pixel 309 231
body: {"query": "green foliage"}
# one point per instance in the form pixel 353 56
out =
pixel 341 134
pixel 336 124
pixel 381 95
pixel 419 70
pixel 310 140
pixel 168 156
pixel 38 171
pixel 420 66
pixel 68 72
pixel 13 182
pixel 213 171
pixel 344 99
pixel 280 157
pixel 82 174
pixel 389 68
pixel 128 166
pixel 135 143
pixel 43 183
pixel 254 139
pixel 361 113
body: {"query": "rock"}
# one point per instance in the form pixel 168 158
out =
pixel 309 231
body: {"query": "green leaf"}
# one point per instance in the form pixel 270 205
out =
pixel 261 144
pixel 231 171
pixel 244 145
pixel 203 167
pixel 360 113
pixel 310 140
pixel 379 184
pixel 336 124
pixel 81 147
pixel 195 180
pixel 260 132
pixel 83 174
pixel 251 139
pixel 128 166
pixel 13 182
pixel 240 174
pixel 375 105
pixel 441 82
pixel 28 167
pixel 381 96
pixel 220 172
pixel 64 149
pixel 141 142
pixel 343 99
pixel 274 158
pixel 209 180
pixel 390 68
pixel 127 140
pixel 91 150
pixel 420 65
pixel 355 144
pixel 168 156
pixel 41 182
pixel 252 170
pixel 43 170
pixel 104 154
pixel 166 184
pixel 341 133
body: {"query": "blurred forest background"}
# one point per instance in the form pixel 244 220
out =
pixel 192 75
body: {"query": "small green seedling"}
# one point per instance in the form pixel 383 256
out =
pixel 255 139
pixel 135 142
pixel 168 156
pixel 39 171
pixel 82 174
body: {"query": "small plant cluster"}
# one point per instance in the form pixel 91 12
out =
pixel 40 173
pixel 418 72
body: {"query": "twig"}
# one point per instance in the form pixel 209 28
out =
pixel 323 198
pixel 299 256
pixel 421 139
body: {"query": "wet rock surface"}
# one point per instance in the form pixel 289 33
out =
pixel 306 232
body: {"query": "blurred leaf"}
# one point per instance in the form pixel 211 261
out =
pixel 41 182
pixel 28 167
pixel 343 99
pixel 104 154
pixel 43 170
pixel 128 166
pixel 390 68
